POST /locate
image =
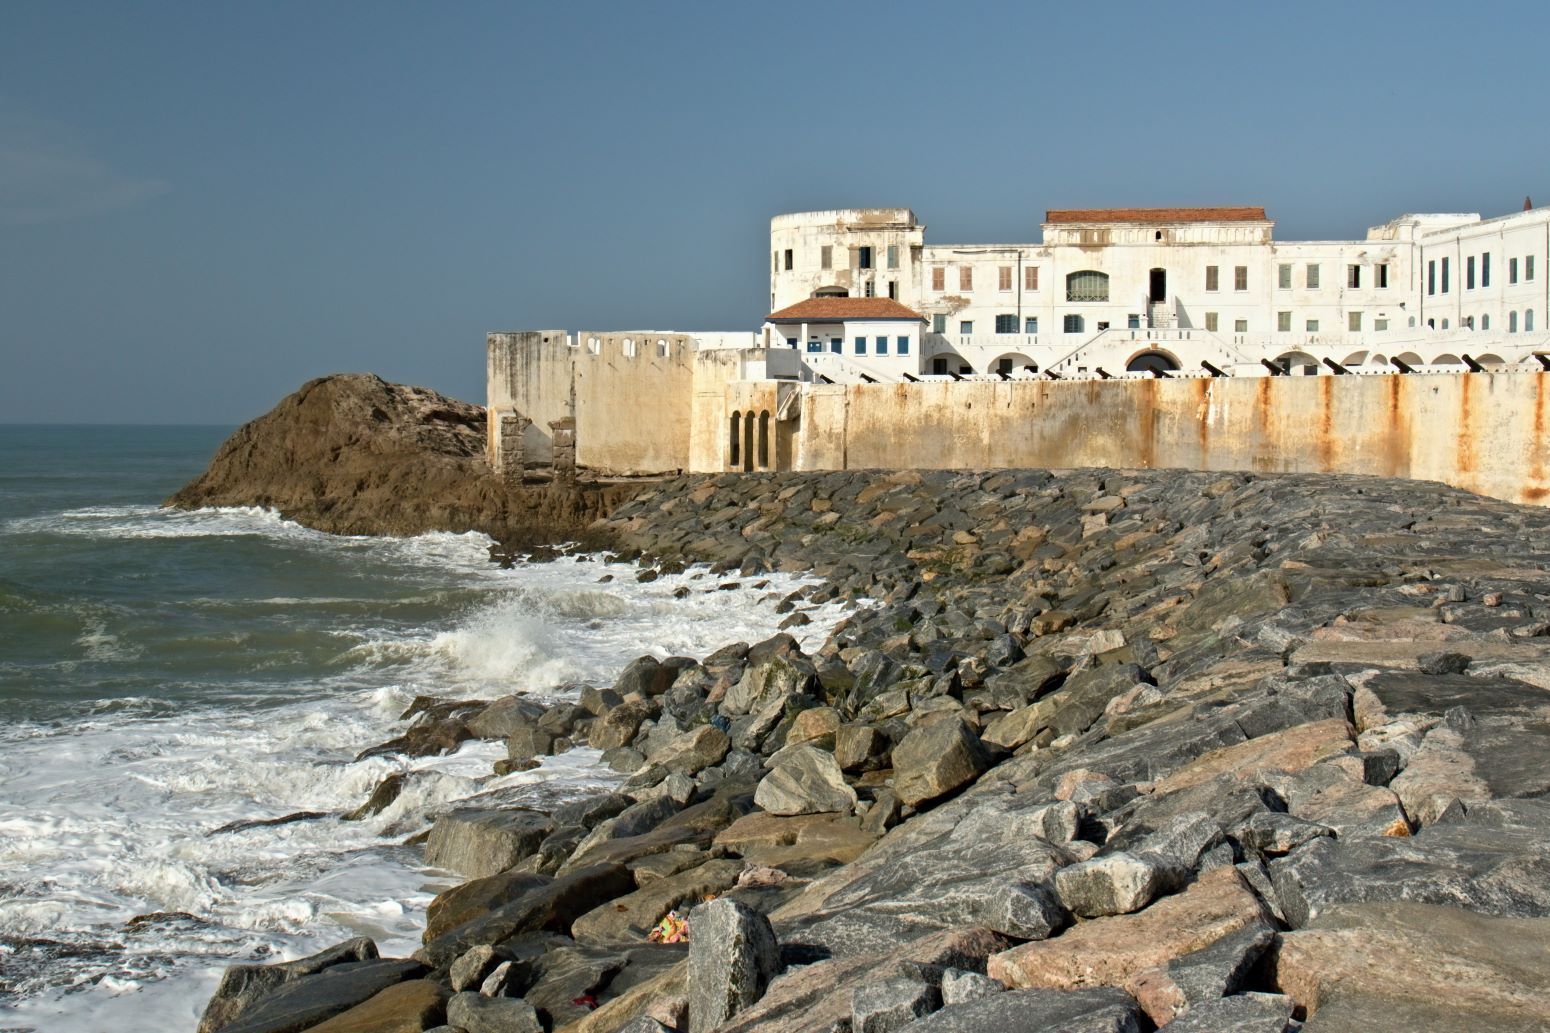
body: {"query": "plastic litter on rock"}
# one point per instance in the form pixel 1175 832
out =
pixel 674 928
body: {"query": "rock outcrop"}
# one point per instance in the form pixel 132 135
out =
pixel 354 454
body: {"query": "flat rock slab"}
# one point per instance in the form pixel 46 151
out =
pixel 1464 970
pixel 1292 749
pixel 627 919
pixel 1094 1010
pixel 775 840
pixel 1117 950
pixel 243 985
pixel 1246 1013
pixel 408 1007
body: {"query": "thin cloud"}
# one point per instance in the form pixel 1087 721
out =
pixel 48 175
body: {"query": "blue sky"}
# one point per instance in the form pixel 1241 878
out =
pixel 203 205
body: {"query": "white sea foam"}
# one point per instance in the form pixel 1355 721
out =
pixel 110 816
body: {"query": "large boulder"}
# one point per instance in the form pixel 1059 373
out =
pixel 241 985
pixel 732 958
pixel 477 842
pixel 936 759
pixel 806 780
pixel 310 1000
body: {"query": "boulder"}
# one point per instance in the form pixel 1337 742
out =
pixel 771 679
pixel 627 919
pixel 563 979
pixel 817 725
pixel 475 1013
pixel 860 747
pixel 694 750
pixel 960 985
pixel 618 726
pixel 1117 950
pixel 305 1002
pixel 1243 1013
pixel 1114 884
pixel 1292 749
pixel 477 897
pixel 506 716
pixel 890 1004
pixel 775 841
pixel 1461 970
pixel 732 958
pixel 406 1007
pixel 1096 1010
pixel 806 780
pixel 1204 975
pixel 477 842
pixel 242 985
pixel 935 760
pixel 470 969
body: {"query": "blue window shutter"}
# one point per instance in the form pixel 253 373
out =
pixel 904 346
pixel 861 346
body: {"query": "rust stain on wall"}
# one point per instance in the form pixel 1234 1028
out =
pixel 1396 431
pixel 1146 425
pixel 1465 442
pixel 1326 443
pixel 1203 417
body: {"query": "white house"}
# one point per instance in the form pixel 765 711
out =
pixel 850 338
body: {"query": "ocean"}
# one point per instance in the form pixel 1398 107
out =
pixel 163 674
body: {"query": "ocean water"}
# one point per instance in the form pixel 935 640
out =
pixel 163 674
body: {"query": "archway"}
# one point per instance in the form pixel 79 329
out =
pixel 1410 359
pixel 1290 361
pixel 764 440
pixel 748 442
pixel 1446 359
pixel 1354 359
pixel 1011 362
pixel 735 452
pixel 1153 360
pixel 1490 360
pixel 831 292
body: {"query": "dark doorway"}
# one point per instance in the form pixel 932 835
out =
pixel 1159 285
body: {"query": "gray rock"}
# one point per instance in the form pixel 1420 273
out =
pixel 694 750
pixel 506 716
pixel 1273 833
pixel 309 1000
pixel 773 679
pixel 1217 970
pixel 732 958
pixel 891 1004
pixel 860 747
pixel 474 1013
pixel 806 780
pixel 591 810
pixel 1114 884
pixel 477 842
pixel 935 760
pixel 565 974
pixel 497 982
pixel 960 985
pixel 1079 1011
pixel 242 985
pixel 1244 1013
pixel 617 727
pixel 470 969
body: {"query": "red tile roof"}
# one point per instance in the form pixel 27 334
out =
pixel 1058 215
pixel 839 310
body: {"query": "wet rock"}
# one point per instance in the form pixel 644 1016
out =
pixel 860 747
pixel 777 842
pixel 506 716
pixel 565 978
pixel 618 726
pixel 381 797
pixel 242 985
pixel 478 842
pixel 406 1007
pixel 935 760
pixel 733 956
pixel 805 781
pixel 694 750
pixel 313 999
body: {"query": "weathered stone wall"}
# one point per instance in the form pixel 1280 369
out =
pixel 1482 432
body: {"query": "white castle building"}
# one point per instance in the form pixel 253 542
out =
pixel 860 296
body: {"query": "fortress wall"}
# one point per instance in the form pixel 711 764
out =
pixel 633 393
pixel 527 372
pixel 1479 431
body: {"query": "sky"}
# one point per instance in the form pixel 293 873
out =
pixel 203 205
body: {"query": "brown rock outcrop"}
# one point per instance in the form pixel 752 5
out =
pixel 354 454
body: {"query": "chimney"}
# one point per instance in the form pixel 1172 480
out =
pixel 1528 203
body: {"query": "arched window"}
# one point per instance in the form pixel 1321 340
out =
pixel 1087 285
pixel 1528 319
pixel 764 440
pixel 737 439
pixel 1485 321
pixel 1444 324
pixel 1512 322
pixel 1148 361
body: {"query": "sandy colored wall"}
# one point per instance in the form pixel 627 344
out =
pixel 1482 432
pixel 527 372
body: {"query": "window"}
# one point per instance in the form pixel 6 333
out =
pixel 814 345
pixel 1512 270
pixel 1284 276
pixel 1087 285
pixel 836 345
pixel 788 260
pixel 1353 276
pixel 1133 321
pixel 1485 270
pixel 1031 325
pixel 939 323
pixel 861 346
pixel 1211 281
pixel 791 342
pixel 1031 278
pixel 1240 278
pixel 1467 323
pixel 1211 321
pixel 1006 324
pixel 1469 273
pixel 904 345
pixel 1284 322
pixel 1485 320
pixel 939 279
pixel 1528 267
pixel 1240 326
pixel 826 256
pixel 1528 320
pixel 1312 326
pixel 893 256
pixel 1313 277
pixel 1431 277
pixel 1004 278
pixel 1512 322
pixel 1071 324
pixel 1444 324
pixel 864 257
pixel 893 289
pixel 1380 324
pixel 1381 272
pixel 1353 321
pixel 1444 276
pixel 966 277
pixel 966 326
pixel 882 345
pixel 871 288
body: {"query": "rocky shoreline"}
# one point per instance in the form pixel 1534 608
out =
pixel 1097 750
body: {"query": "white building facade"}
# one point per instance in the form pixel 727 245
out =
pixel 1111 292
